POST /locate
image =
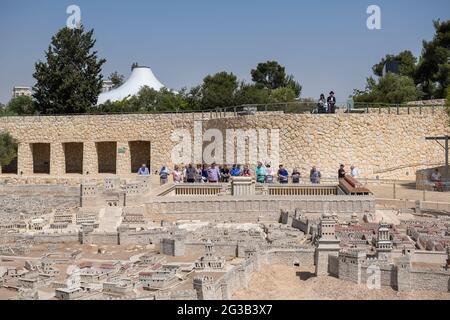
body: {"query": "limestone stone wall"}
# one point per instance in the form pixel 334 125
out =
pixel 388 146
pixel 381 145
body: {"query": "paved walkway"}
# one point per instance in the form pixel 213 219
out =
pixel 406 191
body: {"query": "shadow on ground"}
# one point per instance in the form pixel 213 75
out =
pixel 304 275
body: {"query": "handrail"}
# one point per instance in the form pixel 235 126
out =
pixel 287 107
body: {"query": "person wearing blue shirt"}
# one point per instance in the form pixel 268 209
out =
pixel 143 171
pixel 236 171
pixel 283 175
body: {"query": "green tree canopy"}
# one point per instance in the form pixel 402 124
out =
pixel 70 80
pixel 116 79
pixel 392 88
pixel 148 100
pixel 8 148
pixel 251 94
pixel 433 70
pixel 285 94
pixel 272 75
pixel 218 90
pixel 407 64
pixel 21 105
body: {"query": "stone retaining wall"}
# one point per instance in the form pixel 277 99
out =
pixel 380 145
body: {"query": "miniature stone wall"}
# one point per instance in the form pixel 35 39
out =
pixel 396 277
pixel 253 208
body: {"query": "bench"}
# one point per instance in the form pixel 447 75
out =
pixel 351 186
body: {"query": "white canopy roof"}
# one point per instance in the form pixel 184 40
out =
pixel 140 77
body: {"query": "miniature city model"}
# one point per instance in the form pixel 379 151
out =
pixel 77 222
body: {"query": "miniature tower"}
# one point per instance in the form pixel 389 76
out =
pixel 354 219
pixel 242 186
pixel 384 243
pixel 328 244
pixel 404 272
pixel 204 287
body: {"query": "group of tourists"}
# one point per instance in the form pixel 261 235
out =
pixel 215 174
pixel 327 105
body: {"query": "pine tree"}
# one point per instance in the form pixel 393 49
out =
pixel 70 81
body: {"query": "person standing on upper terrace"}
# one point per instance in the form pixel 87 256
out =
pixel 322 104
pixel 331 101
pixel 143 170
pixel 341 172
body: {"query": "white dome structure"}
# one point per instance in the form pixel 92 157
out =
pixel 140 77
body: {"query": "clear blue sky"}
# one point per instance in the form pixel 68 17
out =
pixel 324 44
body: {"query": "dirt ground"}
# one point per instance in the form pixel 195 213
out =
pixel 277 282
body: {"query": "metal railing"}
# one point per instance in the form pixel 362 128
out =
pixel 296 107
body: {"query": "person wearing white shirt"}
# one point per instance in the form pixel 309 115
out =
pixel 354 172
pixel 436 176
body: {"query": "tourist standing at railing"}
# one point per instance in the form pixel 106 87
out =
pixel 246 172
pixel 198 174
pixel 260 173
pixel 354 172
pixel 225 174
pixel 322 104
pixel 177 175
pixel 184 172
pixel 315 175
pixel 296 176
pixel 205 173
pixel 331 101
pixel 213 174
pixel 341 172
pixel 236 171
pixel 269 174
pixel 143 171
pixel 164 175
pixel 283 175
pixel 190 174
